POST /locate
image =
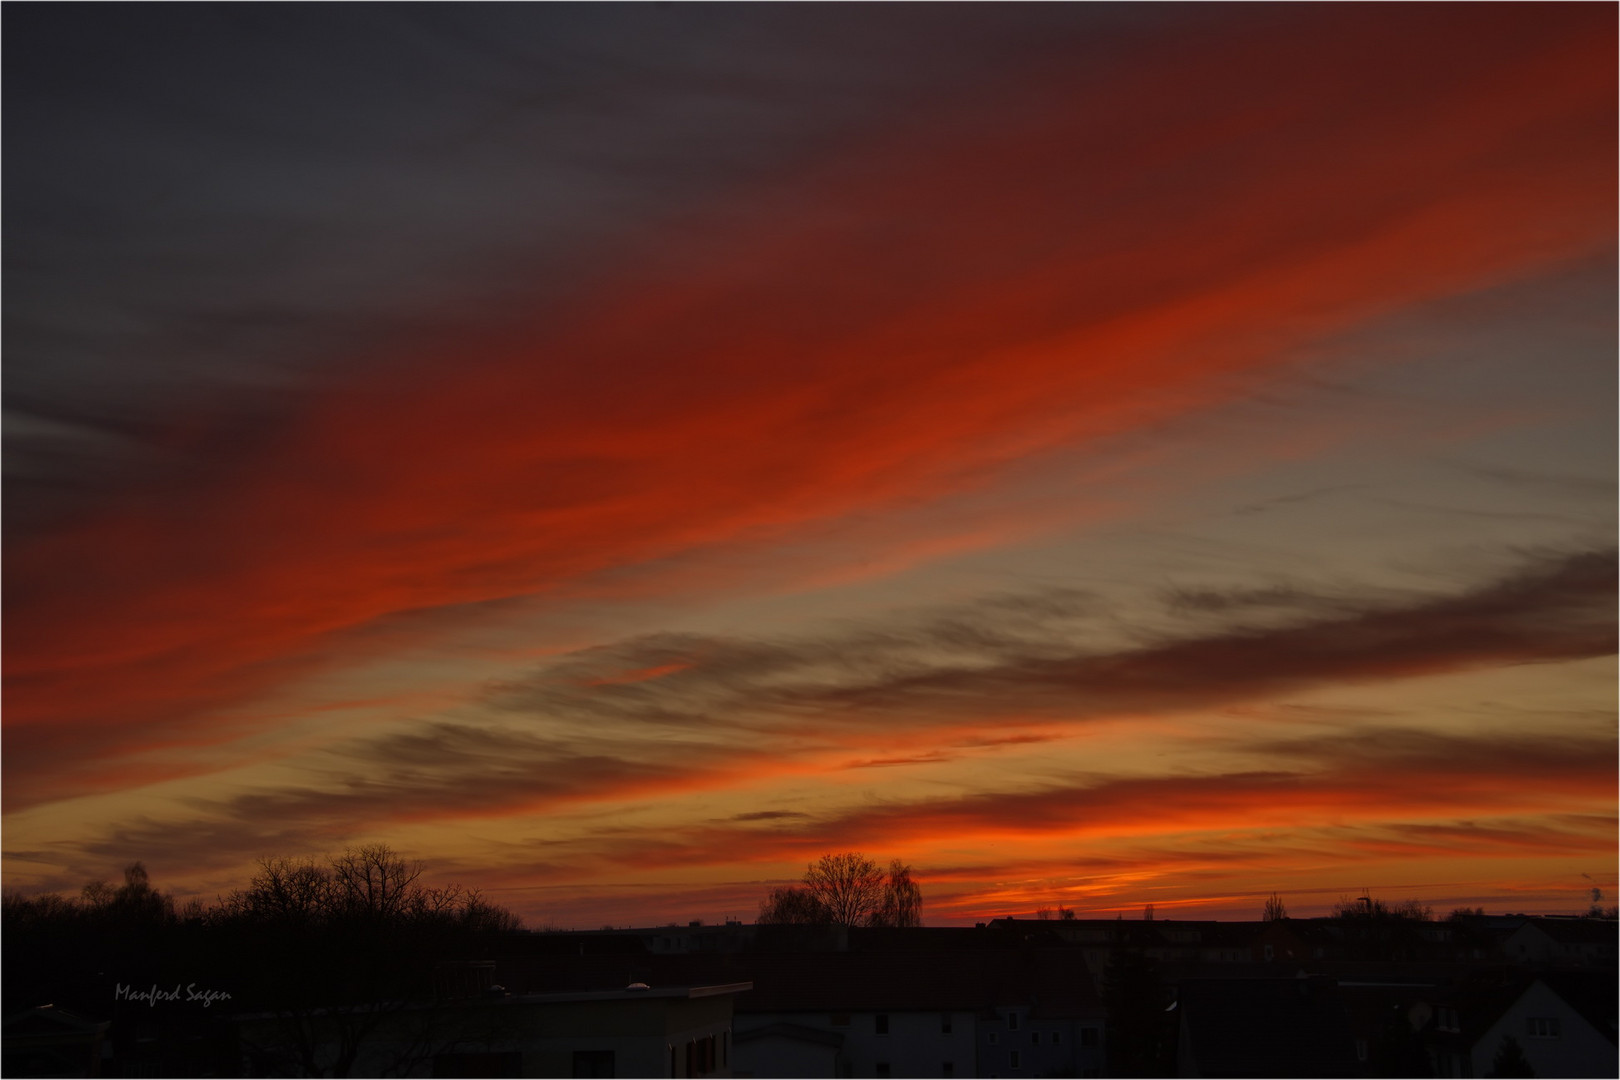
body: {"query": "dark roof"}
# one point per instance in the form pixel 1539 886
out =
pixel 50 1020
pixel 1052 982
pixel 796 1032
pixel 1146 933
pixel 1580 931
pixel 1372 1006
pixel 1230 934
pixel 864 982
pixel 1267 1027
pixel 1480 1001
pixel 1315 931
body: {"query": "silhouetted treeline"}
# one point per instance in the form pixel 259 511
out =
pixel 323 951
pixel 847 889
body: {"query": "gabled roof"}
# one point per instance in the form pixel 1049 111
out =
pixel 795 1032
pixel 1593 994
pixel 1480 1002
pixel 48 1020
pixel 1579 931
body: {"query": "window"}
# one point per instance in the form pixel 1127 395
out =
pixel 1088 1036
pixel 1542 1027
pixel 593 1063
pixel 1012 1060
pixel 1057 1037
pixel 1034 1038
pixel 700 1060
pixel 1271 954
pixel 944 1023
pixel 1012 1021
pixel 881 1023
pixel 994 1038
pixel 840 1020
pixel 1361 1049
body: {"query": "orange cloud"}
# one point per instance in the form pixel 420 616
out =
pixel 917 313
pixel 657 671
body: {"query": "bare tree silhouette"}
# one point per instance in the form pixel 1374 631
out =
pixel 847 889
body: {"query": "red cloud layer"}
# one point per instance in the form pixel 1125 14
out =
pixel 1000 282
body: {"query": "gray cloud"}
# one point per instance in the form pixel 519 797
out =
pixel 1384 769
pixel 1584 488
pixel 430 769
pixel 566 735
pixel 211 210
pixel 1221 601
pixel 1394 772
pixel 972 664
pixel 1300 497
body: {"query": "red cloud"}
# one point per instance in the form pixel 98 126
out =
pixel 1090 254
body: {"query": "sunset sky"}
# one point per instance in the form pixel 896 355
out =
pixel 617 453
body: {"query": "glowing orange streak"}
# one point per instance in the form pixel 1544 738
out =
pixel 551 475
pixel 641 675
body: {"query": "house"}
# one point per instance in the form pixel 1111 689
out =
pixel 1046 1018
pixel 945 1012
pixel 781 1049
pixel 1565 942
pixel 1042 1039
pixel 1178 943
pixel 640 1031
pixel 1388 1010
pixel 48 1041
pixel 1557 1036
pixel 880 1014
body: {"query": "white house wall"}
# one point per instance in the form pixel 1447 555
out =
pixel 916 1045
pixel 1579 1050
pixel 1044 1047
pixel 777 1057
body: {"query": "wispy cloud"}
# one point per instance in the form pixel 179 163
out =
pixel 972 662
pixel 561 740
pixel 463 470
pixel 476 336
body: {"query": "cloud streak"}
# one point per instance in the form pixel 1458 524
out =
pixel 566 740
pixel 1032 651
pixel 761 373
pixel 638 424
